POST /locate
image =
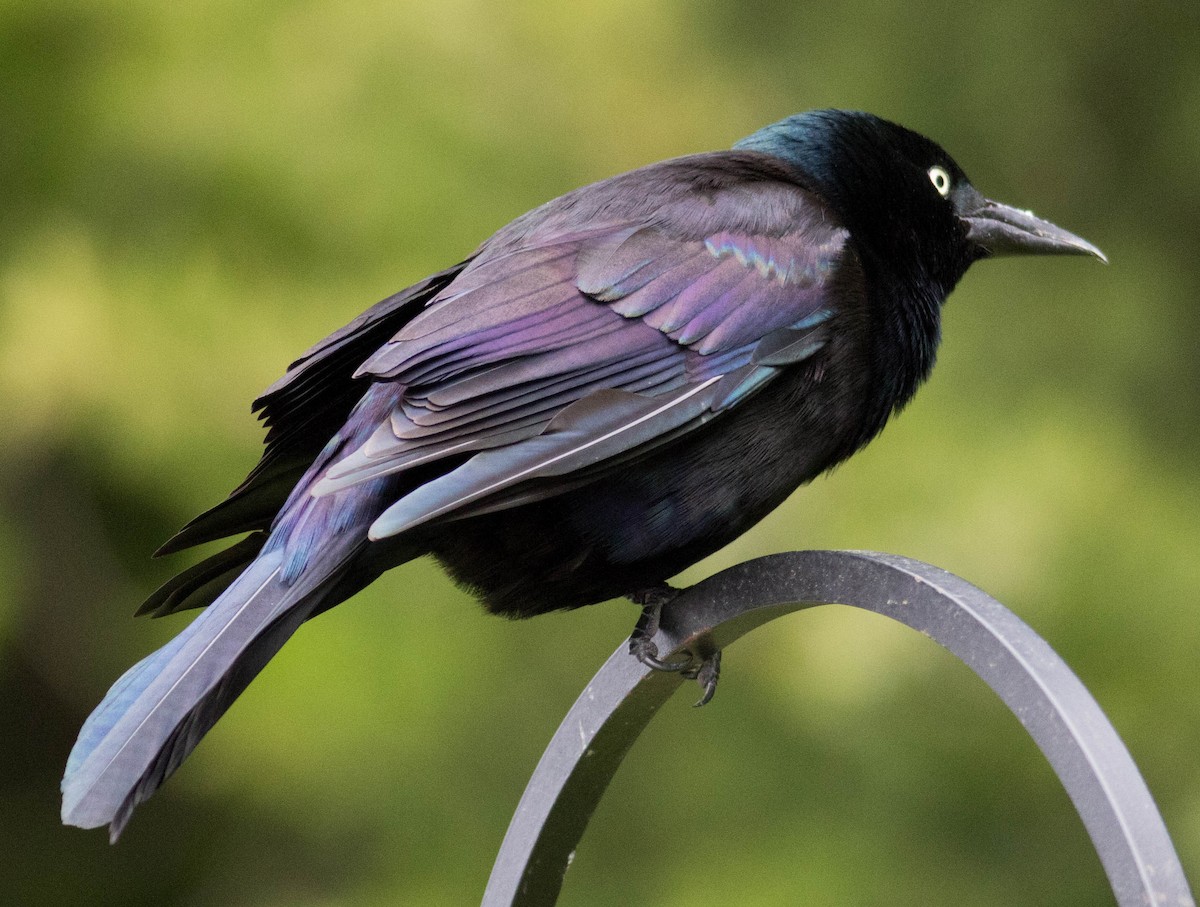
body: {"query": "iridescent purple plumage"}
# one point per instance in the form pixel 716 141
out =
pixel 613 386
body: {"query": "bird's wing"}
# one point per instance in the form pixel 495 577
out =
pixel 572 351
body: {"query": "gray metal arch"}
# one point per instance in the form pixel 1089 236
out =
pixel 1050 701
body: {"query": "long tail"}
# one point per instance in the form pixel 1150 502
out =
pixel 156 713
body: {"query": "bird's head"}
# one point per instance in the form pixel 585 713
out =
pixel 904 199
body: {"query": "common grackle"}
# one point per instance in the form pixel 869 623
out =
pixel 613 386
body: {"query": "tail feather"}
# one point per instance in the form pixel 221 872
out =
pixel 200 585
pixel 156 713
pixel 186 735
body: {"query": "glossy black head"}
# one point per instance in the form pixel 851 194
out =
pixel 905 200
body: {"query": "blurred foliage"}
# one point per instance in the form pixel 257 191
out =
pixel 193 193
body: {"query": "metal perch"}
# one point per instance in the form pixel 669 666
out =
pixel 1050 701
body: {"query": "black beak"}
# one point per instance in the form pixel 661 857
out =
pixel 998 229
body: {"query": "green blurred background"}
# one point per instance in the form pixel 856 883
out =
pixel 190 194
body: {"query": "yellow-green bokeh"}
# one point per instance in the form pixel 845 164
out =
pixel 191 194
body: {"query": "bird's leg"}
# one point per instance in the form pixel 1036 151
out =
pixel 641 640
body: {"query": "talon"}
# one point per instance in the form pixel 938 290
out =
pixel 641 643
pixel 644 650
pixel 707 675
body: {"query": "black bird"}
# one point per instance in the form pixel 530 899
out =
pixel 612 387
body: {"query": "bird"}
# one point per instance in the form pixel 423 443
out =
pixel 611 387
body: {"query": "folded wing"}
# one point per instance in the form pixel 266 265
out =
pixel 555 357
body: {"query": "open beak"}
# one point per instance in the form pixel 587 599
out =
pixel 999 229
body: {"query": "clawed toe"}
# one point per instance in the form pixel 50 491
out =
pixel 641 643
pixel 706 674
pixel 706 671
pixel 644 650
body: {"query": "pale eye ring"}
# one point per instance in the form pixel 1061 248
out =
pixel 940 179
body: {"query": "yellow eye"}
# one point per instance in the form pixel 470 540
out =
pixel 940 179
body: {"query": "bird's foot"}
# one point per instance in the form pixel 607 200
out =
pixel 707 673
pixel 641 641
pixel 706 670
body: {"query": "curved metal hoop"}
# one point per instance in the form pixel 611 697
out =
pixel 1050 701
